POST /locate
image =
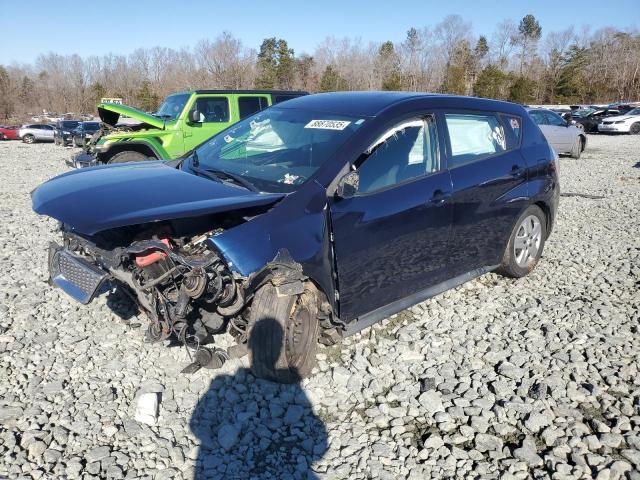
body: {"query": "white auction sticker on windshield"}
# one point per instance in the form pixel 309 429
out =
pixel 328 124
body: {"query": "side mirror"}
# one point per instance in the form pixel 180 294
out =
pixel 194 116
pixel 348 185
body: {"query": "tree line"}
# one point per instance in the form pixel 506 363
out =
pixel 516 62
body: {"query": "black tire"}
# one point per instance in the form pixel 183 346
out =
pixel 283 334
pixel 75 143
pixel 128 156
pixel 510 267
pixel 29 138
pixel 635 129
pixel 577 148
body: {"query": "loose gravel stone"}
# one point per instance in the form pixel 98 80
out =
pixel 535 378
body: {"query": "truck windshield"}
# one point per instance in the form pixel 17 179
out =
pixel 172 106
pixel 276 150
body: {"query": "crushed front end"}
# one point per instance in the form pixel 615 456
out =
pixel 170 271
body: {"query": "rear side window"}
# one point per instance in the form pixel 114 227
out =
pixel 554 119
pixel 474 136
pixel 513 130
pixel 213 109
pixel 283 98
pixel 250 105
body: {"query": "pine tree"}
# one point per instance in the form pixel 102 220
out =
pixel 331 80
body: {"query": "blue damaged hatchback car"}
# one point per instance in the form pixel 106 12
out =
pixel 309 221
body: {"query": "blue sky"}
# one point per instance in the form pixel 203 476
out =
pixel 96 28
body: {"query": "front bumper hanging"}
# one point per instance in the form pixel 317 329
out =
pixel 77 277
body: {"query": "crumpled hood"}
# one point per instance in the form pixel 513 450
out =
pixel 99 198
pixel 110 113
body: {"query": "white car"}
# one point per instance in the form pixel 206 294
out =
pixel 627 123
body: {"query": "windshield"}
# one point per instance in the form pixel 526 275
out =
pixel 635 111
pixel 277 149
pixel 582 113
pixel 172 106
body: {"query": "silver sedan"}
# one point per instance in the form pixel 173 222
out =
pixel 564 137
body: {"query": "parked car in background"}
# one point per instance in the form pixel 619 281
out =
pixel 9 132
pixel 37 132
pixel 83 133
pixel 589 118
pixel 563 137
pixel 62 132
pixel 310 220
pixel 627 123
pixel 184 120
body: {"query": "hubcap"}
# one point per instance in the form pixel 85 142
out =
pixel 526 245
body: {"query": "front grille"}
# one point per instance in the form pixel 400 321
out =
pixel 75 275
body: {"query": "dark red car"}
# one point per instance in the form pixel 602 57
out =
pixel 9 133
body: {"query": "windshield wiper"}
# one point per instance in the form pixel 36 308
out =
pixel 219 175
pixel 233 177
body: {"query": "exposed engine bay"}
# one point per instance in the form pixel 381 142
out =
pixel 176 277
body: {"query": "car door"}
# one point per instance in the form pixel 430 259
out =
pixel 488 175
pixel 46 132
pixel 563 136
pixel 391 238
pixel 216 114
pixel 550 133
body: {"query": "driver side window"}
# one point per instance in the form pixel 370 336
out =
pixel 408 150
pixel 213 109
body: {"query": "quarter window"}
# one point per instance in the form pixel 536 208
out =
pixel 213 109
pixel 474 136
pixel 250 105
pixel 407 151
pixel 513 130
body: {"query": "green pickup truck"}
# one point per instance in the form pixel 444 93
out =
pixel 183 121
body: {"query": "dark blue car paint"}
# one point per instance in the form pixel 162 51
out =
pixel 92 199
pixel 390 247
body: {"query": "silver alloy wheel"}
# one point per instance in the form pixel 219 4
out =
pixel 526 244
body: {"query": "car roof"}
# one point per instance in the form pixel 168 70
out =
pixel 231 92
pixel 369 104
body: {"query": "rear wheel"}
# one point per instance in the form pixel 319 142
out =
pixel 635 129
pixel 283 334
pixel 577 148
pixel 29 138
pixel 525 244
pixel 128 156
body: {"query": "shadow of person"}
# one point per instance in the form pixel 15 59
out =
pixel 250 428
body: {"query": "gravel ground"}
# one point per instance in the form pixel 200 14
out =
pixel 495 379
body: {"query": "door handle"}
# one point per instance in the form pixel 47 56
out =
pixel 439 198
pixel 517 171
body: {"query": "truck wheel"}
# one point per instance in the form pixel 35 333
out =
pixel 128 156
pixel 283 334
pixel 635 129
pixel 525 244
